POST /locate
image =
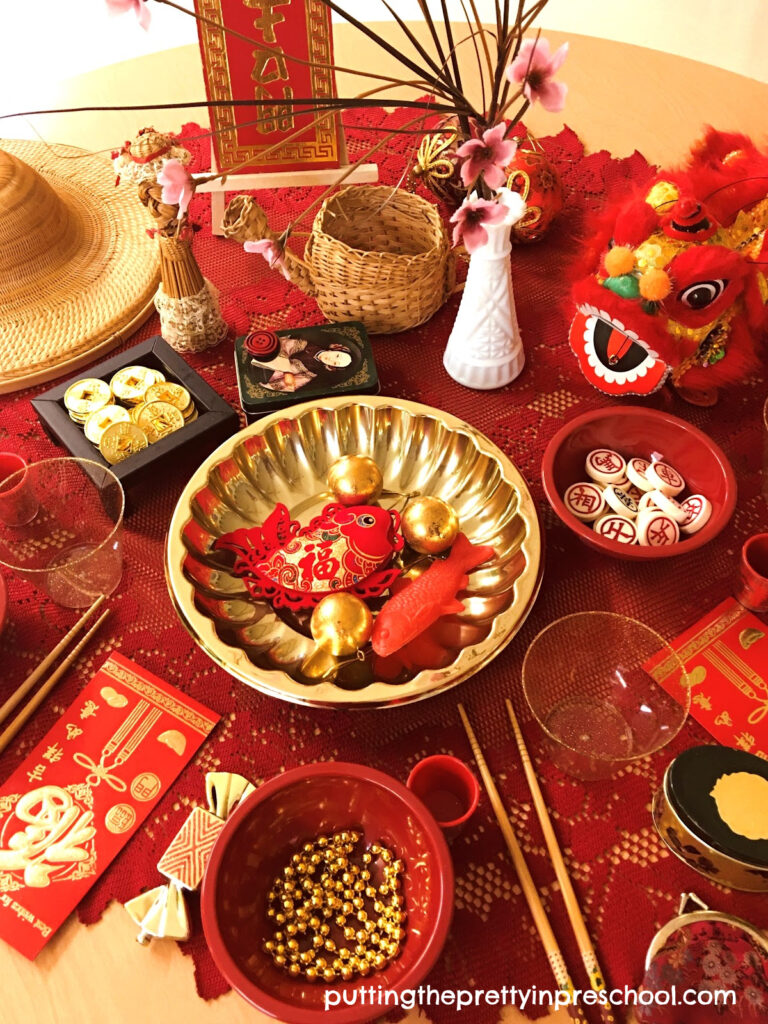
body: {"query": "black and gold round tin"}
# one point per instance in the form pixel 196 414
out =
pixel 692 823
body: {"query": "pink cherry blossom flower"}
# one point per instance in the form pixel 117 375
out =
pixel 488 155
pixel 178 185
pixel 272 252
pixel 470 219
pixel 139 7
pixel 535 67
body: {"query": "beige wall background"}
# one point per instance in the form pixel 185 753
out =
pixel 43 43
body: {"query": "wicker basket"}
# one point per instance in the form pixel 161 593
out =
pixel 375 254
pixel 380 257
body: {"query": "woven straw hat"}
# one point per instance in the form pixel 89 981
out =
pixel 77 271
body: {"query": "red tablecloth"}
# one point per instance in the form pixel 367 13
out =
pixel 627 882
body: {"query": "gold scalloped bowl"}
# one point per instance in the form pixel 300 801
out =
pixel 285 458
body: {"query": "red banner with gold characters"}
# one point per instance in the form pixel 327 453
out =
pixel 263 70
pixel 76 800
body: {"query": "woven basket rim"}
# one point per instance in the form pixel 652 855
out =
pixel 440 243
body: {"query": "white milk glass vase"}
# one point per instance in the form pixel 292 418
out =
pixel 485 349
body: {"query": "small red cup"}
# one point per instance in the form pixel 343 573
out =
pixel 753 571
pixel 448 789
pixel 18 504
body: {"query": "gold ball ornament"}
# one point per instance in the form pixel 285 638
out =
pixel 342 624
pixel 355 480
pixel 429 525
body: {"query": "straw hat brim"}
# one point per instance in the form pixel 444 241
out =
pixel 104 290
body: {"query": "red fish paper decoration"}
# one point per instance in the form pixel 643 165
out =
pixel 342 549
pixel 674 278
pixel 413 609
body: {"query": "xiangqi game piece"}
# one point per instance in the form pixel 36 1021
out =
pixel 656 529
pixel 342 549
pixel 83 791
pixel 672 508
pixel 636 469
pixel 355 480
pixel 698 512
pixel 161 913
pixel 617 499
pixel 585 501
pixel 433 594
pixel 429 525
pixel 605 466
pixel 674 277
pixel 664 478
pixel 616 527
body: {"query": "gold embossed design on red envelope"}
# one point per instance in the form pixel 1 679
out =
pixel 234 69
pixel 185 859
pixel 726 657
pixel 79 796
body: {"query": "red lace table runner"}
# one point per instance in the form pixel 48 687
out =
pixel 627 882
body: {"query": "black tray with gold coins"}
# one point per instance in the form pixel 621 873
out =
pixel 132 411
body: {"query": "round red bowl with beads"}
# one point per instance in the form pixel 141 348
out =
pixel 259 839
pixel 636 431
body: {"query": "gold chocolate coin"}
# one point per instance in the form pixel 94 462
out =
pixel 130 383
pixel 122 440
pixel 98 421
pixel 136 410
pixel 86 396
pixel 158 419
pixel 173 394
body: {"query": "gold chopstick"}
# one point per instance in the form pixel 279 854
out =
pixel 588 955
pixel 37 674
pixel 543 927
pixel 23 716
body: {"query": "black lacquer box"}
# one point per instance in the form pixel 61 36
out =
pixel 216 419
pixel 276 369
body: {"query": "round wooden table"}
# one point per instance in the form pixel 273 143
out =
pixel 620 98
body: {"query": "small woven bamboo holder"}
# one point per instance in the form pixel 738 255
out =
pixel 381 256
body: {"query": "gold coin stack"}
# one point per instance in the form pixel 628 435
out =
pixel 332 920
pixel 137 408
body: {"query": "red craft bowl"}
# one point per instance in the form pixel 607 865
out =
pixel 635 431
pixel 258 840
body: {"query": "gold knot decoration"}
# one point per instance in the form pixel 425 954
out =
pixel 161 913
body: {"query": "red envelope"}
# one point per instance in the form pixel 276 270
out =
pixel 71 806
pixel 726 657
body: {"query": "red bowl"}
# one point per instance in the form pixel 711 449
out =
pixel 635 431
pixel 259 839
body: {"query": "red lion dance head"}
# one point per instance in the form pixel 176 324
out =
pixel 676 276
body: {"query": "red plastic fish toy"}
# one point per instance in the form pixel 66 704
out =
pixel 295 566
pixel 422 602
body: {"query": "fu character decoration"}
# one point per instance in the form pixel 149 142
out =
pixel 352 552
pixel 161 913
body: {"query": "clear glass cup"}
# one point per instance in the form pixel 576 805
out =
pixel 71 548
pixel 588 682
